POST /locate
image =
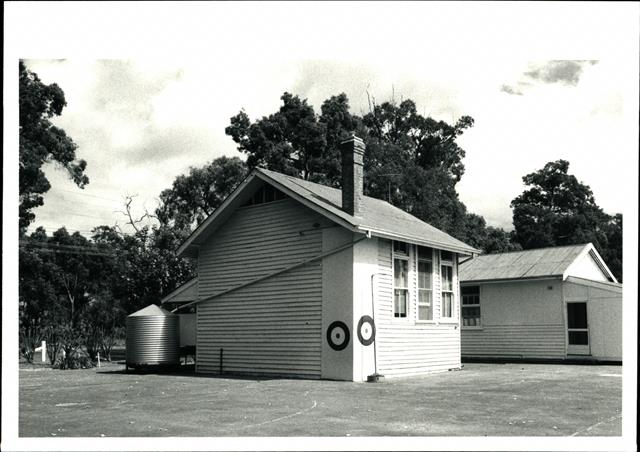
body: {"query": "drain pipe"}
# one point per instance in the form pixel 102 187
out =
pixel 375 377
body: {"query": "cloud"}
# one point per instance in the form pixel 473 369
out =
pixel 559 71
pixel 510 90
pixel 562 72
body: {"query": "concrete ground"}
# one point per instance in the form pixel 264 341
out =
pixel 481 399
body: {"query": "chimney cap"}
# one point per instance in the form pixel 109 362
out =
pixel 356 140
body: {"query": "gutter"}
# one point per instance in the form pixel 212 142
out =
pixel 471 282
pixel 410 239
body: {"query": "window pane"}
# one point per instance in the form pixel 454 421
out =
pixel 425 252
pixel 578 338
pixel 258 197
pixel 401 272
pixel 577 315
pixel 447 305
pixel 270 194
pixel 471 312
pixel 401 247
pixel 400 303
pixel 425 313
pixel 447 277
pixel 470 290
pixel 470 299
pixel 424 297
pixel 446 256
pixel 424 275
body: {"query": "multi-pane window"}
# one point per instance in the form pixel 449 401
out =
pixel 471 306
pixel 425 283
pixel 400 279
pixel 446 281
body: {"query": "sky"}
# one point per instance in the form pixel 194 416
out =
pixel 150 87
pixel 141 120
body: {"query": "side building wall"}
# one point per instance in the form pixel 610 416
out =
pixel 523 319
pixel 273 326
pixel 406 346
pixel 604 317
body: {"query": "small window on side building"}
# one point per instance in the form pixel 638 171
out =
pixel 471 306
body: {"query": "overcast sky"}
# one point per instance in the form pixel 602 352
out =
pixel 543 82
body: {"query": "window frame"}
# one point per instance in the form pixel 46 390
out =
pixel 406 257
pixel 450 264
pixel 471 305
pixel 430 260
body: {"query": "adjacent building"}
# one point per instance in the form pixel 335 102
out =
pixel 551 303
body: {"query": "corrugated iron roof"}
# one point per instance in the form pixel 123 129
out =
pixel 538 263
pixel 379 217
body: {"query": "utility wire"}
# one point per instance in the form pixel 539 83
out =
pixel 90 196
pixel 80 253
pixel 79 249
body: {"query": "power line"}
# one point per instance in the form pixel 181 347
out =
pixel 52 247
pixel 80 253
pixel 90 196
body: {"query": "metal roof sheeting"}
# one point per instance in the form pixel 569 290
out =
pixel 538 263
pixel 378 216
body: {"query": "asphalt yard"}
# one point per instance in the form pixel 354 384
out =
pixel 481 399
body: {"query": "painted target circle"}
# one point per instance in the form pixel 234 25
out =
pixel 338 335
pixel 366 330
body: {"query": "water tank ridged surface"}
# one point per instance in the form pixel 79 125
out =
pixel 153 337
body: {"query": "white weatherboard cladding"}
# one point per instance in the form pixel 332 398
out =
pixel 604 317
pixel 337 302
pixel 585 267
pixel 406 346
pixel 365 264
pixel 273 326
pixel 522 319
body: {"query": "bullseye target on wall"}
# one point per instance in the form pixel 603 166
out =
pixel 338 335
pixel 366 330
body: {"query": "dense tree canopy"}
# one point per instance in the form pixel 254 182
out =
pixel 557 210
pixel 412 161
pixel 195 196
pixel 294 140
pixel 41 142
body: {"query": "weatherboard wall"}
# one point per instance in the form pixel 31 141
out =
pixel 406 346
pixel 273 326
pixel 586 267
pixel 519 319
pixel 604 316
pixel 337 302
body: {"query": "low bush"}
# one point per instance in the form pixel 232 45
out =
pixel 76 359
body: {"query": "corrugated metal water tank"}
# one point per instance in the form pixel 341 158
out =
pixel 153 337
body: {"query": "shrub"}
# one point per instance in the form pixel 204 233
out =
pixel 31 336
pixel 108 338
pixel 75 359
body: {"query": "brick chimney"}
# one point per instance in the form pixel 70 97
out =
pixel 352 175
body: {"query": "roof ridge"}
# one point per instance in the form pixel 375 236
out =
pixel 295 180
pixel 580 245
